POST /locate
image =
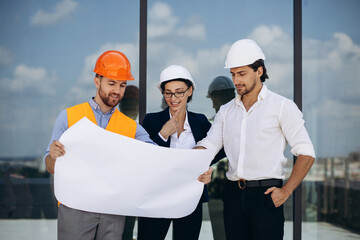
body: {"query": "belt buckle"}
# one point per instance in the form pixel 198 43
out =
pixel 242 186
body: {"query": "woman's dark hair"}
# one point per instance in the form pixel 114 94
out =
pixel 187 82
pixel 260 63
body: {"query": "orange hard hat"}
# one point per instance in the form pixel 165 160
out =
pixel 114 65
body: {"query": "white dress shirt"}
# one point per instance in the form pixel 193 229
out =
pixel 255 140
pixel 186 139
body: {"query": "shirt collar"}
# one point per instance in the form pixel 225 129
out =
pixel 262 94
pixel 96 106
pixel 186 123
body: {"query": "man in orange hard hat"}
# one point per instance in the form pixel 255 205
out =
pixel 112 73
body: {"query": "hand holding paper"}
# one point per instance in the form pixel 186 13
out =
pixel 108 173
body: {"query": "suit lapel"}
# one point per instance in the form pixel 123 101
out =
pixel 195 127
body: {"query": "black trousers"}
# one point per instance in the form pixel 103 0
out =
pixel 186 228
pixel 249 214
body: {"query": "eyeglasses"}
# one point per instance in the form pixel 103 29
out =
pixel 176 94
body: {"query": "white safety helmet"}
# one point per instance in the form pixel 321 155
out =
pixel 174 72
pixel 220 83
pixel 242 53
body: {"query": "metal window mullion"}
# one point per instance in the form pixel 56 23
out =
pixel 142 59
pixel 297 195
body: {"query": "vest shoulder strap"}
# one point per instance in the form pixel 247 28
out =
pixel 77 112
pixel 119 123
pixel 122 124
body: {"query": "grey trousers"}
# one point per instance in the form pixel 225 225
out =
pixel 80 225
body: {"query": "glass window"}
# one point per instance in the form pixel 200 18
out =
pixel 331 106
pixel 197 35
pixel 48 51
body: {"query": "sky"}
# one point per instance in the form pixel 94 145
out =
pixel 48 50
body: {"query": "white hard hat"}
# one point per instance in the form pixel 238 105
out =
pixel 174 72
pixel 220 83
pixel 242 53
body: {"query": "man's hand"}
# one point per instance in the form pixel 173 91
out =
pixel 300 169
pixel 206 176
pixel 278 195
pixel 56 150
pixel 199 147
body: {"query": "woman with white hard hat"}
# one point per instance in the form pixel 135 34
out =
pixel 175 127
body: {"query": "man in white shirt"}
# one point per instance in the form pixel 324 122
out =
pixel 254 129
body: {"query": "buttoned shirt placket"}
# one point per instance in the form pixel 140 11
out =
pixel 103 117
pixel 185 140
pixel 246 115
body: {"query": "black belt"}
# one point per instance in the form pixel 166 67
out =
pixel 242 183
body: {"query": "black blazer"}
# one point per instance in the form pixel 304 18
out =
pixel 199 124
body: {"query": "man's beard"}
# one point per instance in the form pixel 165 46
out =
pixel 246 90
pixel 106 99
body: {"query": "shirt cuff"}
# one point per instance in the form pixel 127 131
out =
pixel 165 140
pixel 304 149
pixel 205 144
pixel 47 153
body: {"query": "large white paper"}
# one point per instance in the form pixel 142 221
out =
pixel 105 172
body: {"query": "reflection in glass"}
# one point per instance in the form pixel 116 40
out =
pixel 198 38
pixel 25 192
pixel 221 90
pixel 331 106
pixel 129 105
pixel 46 62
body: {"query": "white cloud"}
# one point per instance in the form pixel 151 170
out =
pixel 275 43
pixel 27 78
pixel 163 24
pixel 265 35
pixel 161 20
pixel 277 46
pixel 332 67
pixel 192 30
pixel 6 56
pixel 62 10
pixel 343 51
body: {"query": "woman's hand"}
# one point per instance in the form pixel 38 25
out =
pixel 171 126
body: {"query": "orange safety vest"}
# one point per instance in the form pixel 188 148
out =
pixel 119 123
